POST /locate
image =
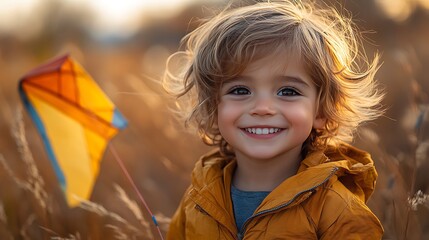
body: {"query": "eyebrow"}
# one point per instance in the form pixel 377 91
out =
pixel 287 78
pixel 295 79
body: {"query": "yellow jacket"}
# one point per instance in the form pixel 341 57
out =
pixel 324 200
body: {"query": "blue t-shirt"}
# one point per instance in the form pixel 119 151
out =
pixel 245 204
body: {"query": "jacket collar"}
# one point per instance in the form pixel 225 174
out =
pixel 313 159
pixel 212 179
pixel 356 167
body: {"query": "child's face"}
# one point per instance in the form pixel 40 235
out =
pixel 269 110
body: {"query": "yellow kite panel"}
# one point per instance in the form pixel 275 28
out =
pixel 75 119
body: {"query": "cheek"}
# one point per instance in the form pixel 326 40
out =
pixel 227 114
pixel 301 116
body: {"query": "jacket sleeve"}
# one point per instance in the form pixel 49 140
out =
pixel 356 222
pixel 177 227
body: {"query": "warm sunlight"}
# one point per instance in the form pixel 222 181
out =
pixel 124 17
pixel 16 14
pixel 424 4
pixel 400 10
pixel 106 17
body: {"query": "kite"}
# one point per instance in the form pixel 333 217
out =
pixel 75 119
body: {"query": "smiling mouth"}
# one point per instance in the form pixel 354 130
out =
pixel 262 131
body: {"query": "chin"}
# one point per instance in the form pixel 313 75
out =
pixel 260 155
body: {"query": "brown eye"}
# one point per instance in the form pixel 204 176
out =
pixel 239 91
pixel 288 91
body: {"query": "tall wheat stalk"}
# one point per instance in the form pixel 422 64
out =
pixel 416 198
pixel 34 181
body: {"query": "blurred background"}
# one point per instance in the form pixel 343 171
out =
pixel 124 46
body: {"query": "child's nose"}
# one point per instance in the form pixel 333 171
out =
pixel 263 105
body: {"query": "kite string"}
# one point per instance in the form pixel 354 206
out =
pixel 128 176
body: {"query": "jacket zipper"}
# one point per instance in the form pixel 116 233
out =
pixel 240 234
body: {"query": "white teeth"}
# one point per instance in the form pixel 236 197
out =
pixel 262 131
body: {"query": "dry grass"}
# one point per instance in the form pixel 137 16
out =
pixel 75 236
pixel 33 182
pixel 419 199
pixel 160 154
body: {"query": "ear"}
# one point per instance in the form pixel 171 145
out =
pixel 319 122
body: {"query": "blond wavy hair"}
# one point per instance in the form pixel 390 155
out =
pixel 328 43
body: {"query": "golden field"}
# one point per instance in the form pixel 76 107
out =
pixel 160 153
